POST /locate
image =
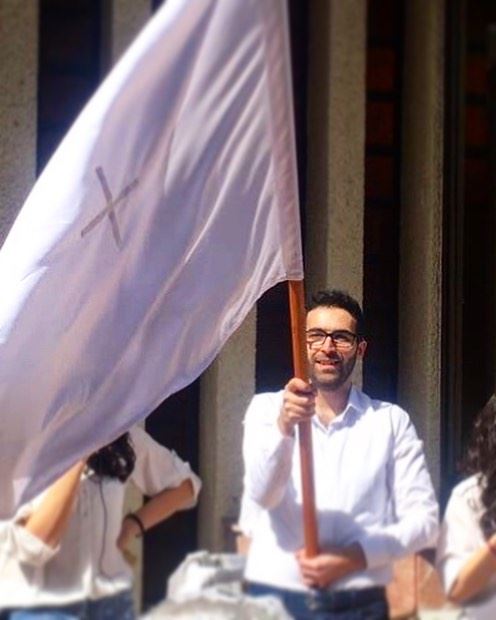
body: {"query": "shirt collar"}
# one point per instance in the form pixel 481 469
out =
pixel 354 402
pixel 354 405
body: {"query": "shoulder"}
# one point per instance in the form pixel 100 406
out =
pixel 144 445
pixel 266 399
pixel 157 467
pixel 468 488
pixel 264 406
pixel 464 507
pixel 140 438
pixel 382 410
pixel 392 423
pixel 467 493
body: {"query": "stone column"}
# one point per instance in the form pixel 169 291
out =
pixel 18 106
pixel 419 384
pixel 226 389
pixel 336 145
pixel 123 20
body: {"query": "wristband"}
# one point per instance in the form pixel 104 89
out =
pixel 134 517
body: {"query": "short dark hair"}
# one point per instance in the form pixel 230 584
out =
pixel 339 299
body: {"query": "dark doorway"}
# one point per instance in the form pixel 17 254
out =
pixel 175 425
pixel 68 69
pixel 385 21
pixel 469 294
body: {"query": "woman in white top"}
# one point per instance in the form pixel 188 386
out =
pixel 467 546
pixel 62 555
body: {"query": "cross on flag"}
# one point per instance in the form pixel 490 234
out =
pixel 109 209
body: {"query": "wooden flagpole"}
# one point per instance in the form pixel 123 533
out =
pixel 297 313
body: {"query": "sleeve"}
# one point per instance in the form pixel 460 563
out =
pixel 158 468
pixel 248 516
pixel 458 540
pixel 414 508
pixel 267 453
pixel 19 545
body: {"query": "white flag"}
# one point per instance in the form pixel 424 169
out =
pixel 168 209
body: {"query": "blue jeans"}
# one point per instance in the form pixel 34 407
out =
pixel 117 607
pixel 322 605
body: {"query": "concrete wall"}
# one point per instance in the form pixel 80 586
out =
pixel 18 106
pixel 226 389
pixel 419 386
pixel 124 21
pixel 336 145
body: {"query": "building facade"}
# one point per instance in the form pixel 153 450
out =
pixel 395 106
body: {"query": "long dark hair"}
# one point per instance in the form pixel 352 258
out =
pixel 115 460
pixel 481 460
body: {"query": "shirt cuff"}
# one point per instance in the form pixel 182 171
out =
pixel 275 440
pixel 196 484
pixel 30 549
pixel 450 575
pixel 377 548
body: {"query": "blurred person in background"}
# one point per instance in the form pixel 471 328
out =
pixel 63 555
pixel 466 555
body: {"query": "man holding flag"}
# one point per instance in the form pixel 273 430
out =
pixel 374 498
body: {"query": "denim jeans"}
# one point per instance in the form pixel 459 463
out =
pixel 120 606
pixel 315 606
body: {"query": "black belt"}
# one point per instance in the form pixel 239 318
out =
pixel 328 600
pixel 322 600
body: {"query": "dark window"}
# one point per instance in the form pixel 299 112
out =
pixel 382 195
pixel 69 67
pixel 469 285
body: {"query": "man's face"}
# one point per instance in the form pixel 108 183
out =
pixel 331 366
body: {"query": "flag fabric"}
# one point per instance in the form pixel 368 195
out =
pixel 167 210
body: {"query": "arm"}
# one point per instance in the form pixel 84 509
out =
pixel 32 537
pixel 464 559
pixel 49 520
pixel 162 475
pixel 159 508
pixel 475 575
pixel 269 440
pixel 414 507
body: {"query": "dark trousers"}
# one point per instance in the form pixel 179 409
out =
pixel 117 607
pixel 360 604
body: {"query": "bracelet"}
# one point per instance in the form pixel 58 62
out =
pixel 134 517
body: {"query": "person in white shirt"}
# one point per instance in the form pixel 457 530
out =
pixel 466 554
pixel 63 554
pixel 374 498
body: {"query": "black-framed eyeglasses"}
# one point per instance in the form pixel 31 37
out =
pixel 342 339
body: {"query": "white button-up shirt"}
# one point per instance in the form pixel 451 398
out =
pixel 87 565
pixel 371 486
pixel 461 536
